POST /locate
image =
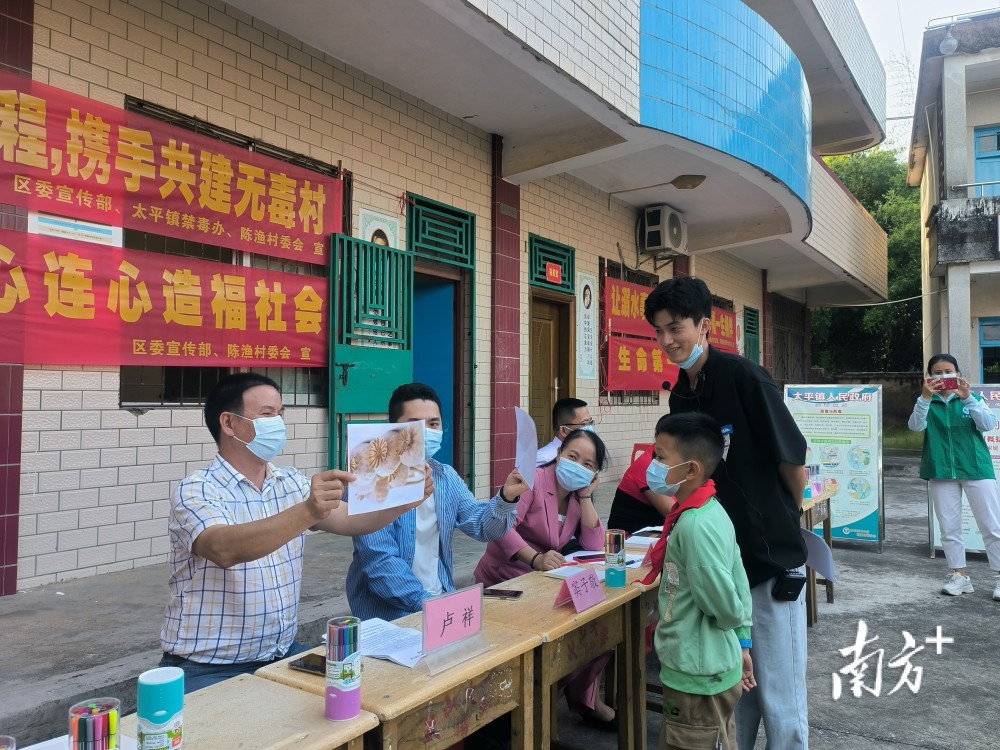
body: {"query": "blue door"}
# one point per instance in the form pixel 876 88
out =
pixel 434 357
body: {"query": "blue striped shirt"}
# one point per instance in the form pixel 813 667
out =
pixel 245 613
pixel 381 583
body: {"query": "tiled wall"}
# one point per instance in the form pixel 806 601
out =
pixel 847 234
pixel 843 21
pixel 596 42
pixel 717 74
pixel 96 479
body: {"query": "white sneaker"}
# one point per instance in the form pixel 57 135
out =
pixel 958 584
pixel 996 591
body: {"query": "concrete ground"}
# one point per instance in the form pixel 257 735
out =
pixel 63 642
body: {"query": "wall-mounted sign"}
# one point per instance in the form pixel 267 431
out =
pixel 64 302
pixel 71 156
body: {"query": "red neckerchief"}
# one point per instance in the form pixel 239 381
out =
pixel 697 499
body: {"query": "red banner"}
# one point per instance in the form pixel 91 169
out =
pixel 638 365
pixel 68 155
pixel 624 304
pixel 76 303
pixel 723 333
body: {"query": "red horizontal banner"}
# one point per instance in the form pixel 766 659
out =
pixel 638 365
pixel 68 155
pixel 723 333
pixel 76 303
pixel 624 306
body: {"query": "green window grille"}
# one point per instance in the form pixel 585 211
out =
pixel 543 255
pixel 751 333
pixel 374 294
pixel 439 232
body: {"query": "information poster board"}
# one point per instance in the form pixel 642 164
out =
pixel 842 425
pixel 970 531
pixel 586 328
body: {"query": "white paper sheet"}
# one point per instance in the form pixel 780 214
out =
pixel 526 450
pixel 568 571
pixel 645 537
pixel 819 557
pixel 383 640
pixel 388 460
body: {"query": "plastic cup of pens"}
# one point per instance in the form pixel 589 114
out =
pixel 614 558
pixel 93 724
pixel 343 668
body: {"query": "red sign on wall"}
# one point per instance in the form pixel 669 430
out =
pixel 553 273
pixel 638 365
pixel 723 332
pixel 68 155
pixel 76 303
pixel 624 306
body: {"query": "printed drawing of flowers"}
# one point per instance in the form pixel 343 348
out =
pixel 391 460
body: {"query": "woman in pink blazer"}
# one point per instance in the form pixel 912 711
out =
pixel 560 506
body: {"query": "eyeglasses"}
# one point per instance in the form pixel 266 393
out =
pixel 579 425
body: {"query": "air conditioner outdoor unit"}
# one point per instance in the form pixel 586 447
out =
pixel 665 231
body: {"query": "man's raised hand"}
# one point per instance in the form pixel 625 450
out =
pixel 326 491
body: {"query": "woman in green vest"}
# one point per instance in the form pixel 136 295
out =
pixel 956 458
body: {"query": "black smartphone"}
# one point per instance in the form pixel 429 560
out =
pixel 502 593
pixel 590 558
pixel 311 663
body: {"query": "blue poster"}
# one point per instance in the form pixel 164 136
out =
pixel 842 425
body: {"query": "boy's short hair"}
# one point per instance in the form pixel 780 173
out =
pixel 698 438
pixel 411 392
pixel 227 395
pixel 683 297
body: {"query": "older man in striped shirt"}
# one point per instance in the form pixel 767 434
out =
pixel 236 538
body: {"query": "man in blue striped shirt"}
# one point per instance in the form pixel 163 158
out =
pixel 236 538
pixel 396 568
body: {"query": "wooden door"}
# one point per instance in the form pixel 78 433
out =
pixel 550 378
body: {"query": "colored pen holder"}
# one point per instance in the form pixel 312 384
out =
pixel 343 668
pixel 614 559
pixel 93 724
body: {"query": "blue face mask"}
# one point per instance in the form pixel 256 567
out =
pixel 269 440
pixel 590 428
pixel 688 363
pixel 656 478
pixel 432 441
pixel 573 476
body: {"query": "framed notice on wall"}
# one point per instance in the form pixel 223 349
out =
pixel 586 327
pixel 842 425
pixel 379 229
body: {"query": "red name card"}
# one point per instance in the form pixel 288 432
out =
pixel 450 618
pixel 583 589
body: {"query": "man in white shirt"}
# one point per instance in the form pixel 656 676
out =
pixel 567 415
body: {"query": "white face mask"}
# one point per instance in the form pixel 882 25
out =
pixel 269 440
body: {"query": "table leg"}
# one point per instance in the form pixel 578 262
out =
pixel 628 693
pixel 522 725
pixel 828 538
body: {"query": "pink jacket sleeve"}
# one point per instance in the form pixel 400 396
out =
pixel 512 542
pixel 592 538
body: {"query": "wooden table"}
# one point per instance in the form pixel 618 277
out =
pixel 817 510
pixel 249 712
pixel 417 710
pixel 569 641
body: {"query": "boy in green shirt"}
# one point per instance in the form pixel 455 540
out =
pixel 703 634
